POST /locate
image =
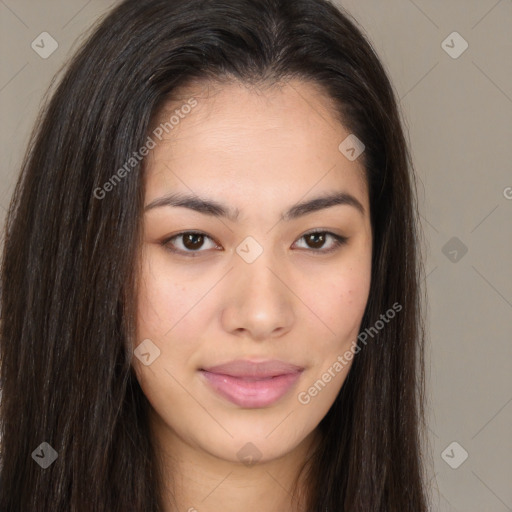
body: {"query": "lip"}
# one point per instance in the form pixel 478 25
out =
pixel 251 384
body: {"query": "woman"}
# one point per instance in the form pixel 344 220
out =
pixel 210 275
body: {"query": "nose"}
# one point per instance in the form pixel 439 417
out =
pixel 260 302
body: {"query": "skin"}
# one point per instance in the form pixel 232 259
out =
pixel 260 151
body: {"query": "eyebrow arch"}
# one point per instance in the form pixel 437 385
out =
pixel 216 209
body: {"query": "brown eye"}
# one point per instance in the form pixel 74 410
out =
pixel 193 241
pixel 188 243
pixel 316 240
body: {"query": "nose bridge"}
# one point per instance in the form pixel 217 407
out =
pixel 258 266
pixel 260 303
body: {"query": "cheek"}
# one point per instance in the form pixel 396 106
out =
pixel 342 300
pixel 352 294
pixel 162 318
pixel 346 308
pixel 164 305
pixel 158 301
pixel 163 299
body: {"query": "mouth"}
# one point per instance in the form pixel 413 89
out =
pixel 252 385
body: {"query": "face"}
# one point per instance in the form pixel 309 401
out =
pixel 252 287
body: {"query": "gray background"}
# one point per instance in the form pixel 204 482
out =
pixel 457 112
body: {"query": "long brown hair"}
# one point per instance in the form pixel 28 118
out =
pixel 69 266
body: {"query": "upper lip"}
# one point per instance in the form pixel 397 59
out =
pixel 245 368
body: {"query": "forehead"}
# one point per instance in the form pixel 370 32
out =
pixel 266 142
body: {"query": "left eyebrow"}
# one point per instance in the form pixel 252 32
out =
pixel 216 209
pixel 319 203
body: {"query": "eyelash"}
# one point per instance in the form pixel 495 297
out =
pixel 338 242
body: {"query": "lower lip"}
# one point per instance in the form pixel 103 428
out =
pixel 251 394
